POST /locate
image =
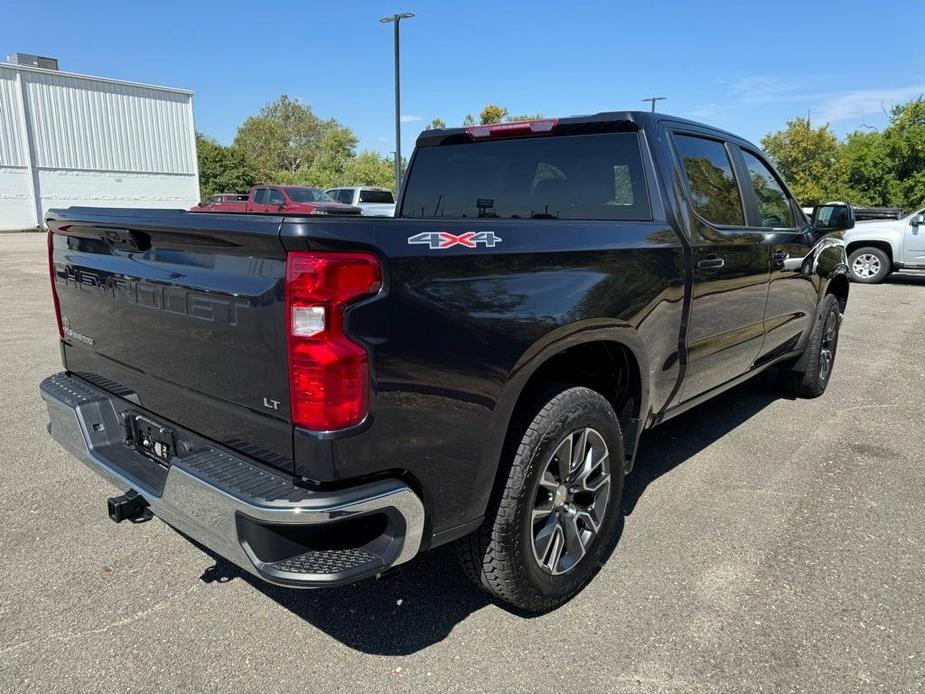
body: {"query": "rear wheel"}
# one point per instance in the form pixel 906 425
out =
pixel 869 265
pixel 810 376
pixel 544 536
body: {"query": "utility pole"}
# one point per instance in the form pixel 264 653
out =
pixel 396 20
pixel 653 99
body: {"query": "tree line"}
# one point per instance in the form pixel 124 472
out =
pixel 868 168
pixel 286 142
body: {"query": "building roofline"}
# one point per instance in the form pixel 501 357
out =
pixel 95 78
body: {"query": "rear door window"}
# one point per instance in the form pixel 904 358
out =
pixel 713 188
pixel 597 176
pixel 260 196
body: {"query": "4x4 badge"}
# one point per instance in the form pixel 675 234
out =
pixel 439 240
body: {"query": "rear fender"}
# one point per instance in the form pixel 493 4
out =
pixel 555 343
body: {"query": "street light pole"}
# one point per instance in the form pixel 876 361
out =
pixel 396 20
pixel 653 99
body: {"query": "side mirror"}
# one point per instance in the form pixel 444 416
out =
pixel 834 216
pixel 918 220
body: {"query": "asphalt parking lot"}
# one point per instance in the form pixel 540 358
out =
pixel 768 545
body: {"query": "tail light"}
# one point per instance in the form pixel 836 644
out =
pixel 54 288
pixel 328 372
pixel 515 129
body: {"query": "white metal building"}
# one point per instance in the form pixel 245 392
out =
pixel 68 139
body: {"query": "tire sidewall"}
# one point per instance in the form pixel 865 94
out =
pixel 885 267
pixel 579 410
pixel 829 306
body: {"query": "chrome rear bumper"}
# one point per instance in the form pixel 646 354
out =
pixel 244 511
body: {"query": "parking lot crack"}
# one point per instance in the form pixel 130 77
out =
pixel 141 614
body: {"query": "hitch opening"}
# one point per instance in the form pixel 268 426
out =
pixel 129 506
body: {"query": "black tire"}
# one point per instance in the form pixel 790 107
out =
pixel 809 376
pixel 502 555
pixel 869 265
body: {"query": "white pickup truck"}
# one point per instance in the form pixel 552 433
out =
pixel 877 248
pixel 373 201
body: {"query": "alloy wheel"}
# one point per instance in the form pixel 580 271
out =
pixel 571 500
pixel 866 266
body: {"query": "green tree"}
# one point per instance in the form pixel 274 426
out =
pixel 335 151
pixel 531 116
pixel 807 158
pixel 221 169
pixel 369 169
pixel 468 121
pixel 904 141
pixel 284 136
pixel 865 174
pixel 492 113
pixel 436 124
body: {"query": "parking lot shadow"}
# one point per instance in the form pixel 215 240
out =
pixel 414 607
pixel 678 439
pixel 421 603
pixel 906 278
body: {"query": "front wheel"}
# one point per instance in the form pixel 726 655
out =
pixel 869 265
pixel 809 377
pixel 543 538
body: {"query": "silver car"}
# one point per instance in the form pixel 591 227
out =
pixel 875 249
pixel 373 201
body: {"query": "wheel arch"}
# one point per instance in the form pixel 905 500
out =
pixel 880 244
pixel 839 285
pixel 578 356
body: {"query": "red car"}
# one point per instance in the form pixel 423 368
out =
pixel 279 200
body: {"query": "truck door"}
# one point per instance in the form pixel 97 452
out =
pixel 257 201
pixel 914 241
pixel 792 291
pixel 731 268
pixel 275 200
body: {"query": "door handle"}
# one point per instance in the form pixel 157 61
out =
pixel 711 263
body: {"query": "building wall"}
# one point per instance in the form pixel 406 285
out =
pixel 75 140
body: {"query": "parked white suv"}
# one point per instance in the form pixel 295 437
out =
pixel 875 249
pixel 375 202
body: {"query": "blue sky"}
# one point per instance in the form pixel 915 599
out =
pixel 746 67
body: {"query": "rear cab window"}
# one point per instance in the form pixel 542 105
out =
pixel 712 184
pixel 376 196
pixel 582 177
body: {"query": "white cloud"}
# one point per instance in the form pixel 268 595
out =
pixel 700 113
pixel 826 106
pixel 862 102
pixel 411 119
pixel 762 90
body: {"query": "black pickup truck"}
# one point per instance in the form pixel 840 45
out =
pixel 321 399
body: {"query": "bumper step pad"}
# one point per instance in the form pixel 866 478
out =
pixel 332 561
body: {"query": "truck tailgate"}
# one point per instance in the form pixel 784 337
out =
pixel 183 314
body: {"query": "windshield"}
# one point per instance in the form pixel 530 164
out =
pixel 301 194
pixel 567 177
